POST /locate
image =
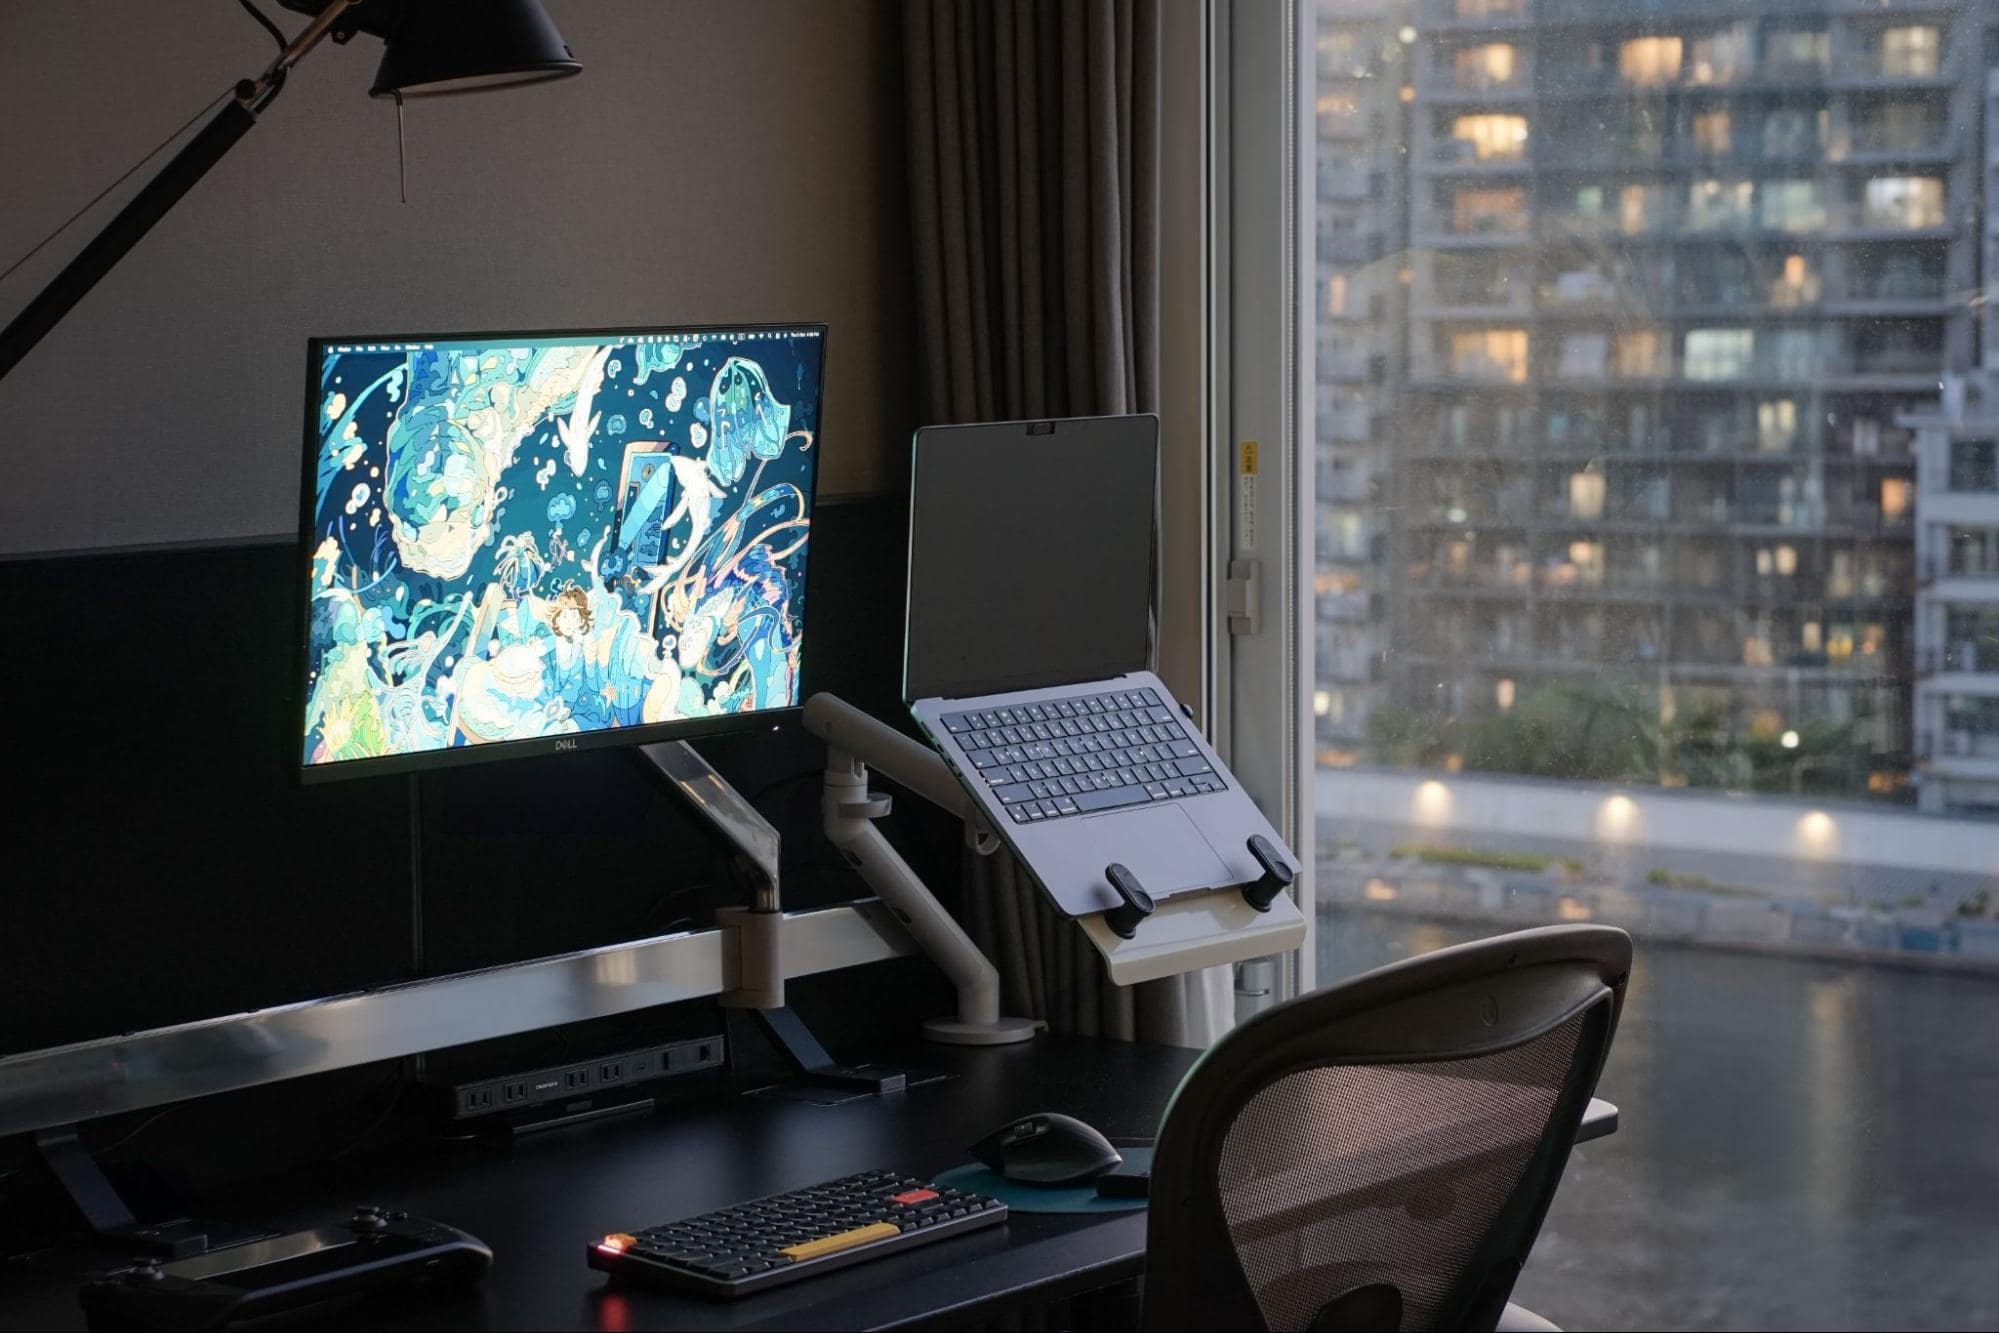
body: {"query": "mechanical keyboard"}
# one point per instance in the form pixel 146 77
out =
pixel 771 1241
pixel 1063 757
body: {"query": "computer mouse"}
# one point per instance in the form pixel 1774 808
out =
pixel 1047 1148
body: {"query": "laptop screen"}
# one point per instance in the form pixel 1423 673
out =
pixel 1031 554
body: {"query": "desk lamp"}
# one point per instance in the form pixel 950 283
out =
pixel 430 47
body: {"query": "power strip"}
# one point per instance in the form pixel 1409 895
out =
pixel 584 1078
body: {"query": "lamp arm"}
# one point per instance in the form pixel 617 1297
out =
pixel 157 197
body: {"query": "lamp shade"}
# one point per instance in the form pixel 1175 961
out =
pixel 461 46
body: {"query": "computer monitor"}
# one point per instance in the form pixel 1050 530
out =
pixel 527 543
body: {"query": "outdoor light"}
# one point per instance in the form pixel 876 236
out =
pixel 1789 740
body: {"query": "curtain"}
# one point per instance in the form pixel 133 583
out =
pixel 1034 210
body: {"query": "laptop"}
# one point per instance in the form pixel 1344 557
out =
pixel 1033 583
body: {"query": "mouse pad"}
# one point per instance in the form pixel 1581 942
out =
pixel 1083 1198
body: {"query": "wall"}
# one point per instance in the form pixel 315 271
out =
pixel 714 162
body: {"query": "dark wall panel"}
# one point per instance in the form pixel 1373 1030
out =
pixel 164 866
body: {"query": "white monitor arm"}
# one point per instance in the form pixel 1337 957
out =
pixel 853 741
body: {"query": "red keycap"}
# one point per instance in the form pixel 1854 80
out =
pixel 913 1196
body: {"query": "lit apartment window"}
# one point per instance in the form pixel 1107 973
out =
pixel 1896 495
pixel 1584 356
pixel 1339 115
pixel 1713 131
pixel 1974 465
pixel 1798 51
pixel 1797 283
pixel 1641 208
pixel 1485 9
pixel 1642 354
pixel 1336 295
pixel 1724 56
pixel 1713 204
pixel 1719 354
pixel 1478 212
pixel 1491 137
pixel 1776 425
pixel 1341 52
pixel 1646 62
pixel 1796 206
pixel 1490 354
pixel 1903 202
pixel 1910 53
pixel 1586 492
pixel 1494 65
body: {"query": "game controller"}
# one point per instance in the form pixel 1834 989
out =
pixel 375 1248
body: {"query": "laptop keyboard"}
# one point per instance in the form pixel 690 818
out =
pixel 1063 757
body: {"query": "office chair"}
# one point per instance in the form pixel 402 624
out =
pixel 1380 1154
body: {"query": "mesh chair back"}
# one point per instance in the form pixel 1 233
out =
pixel 1380 1154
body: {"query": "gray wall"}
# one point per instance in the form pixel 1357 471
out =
pixel 714 162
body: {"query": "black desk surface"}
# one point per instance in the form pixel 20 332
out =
pixel 538 1203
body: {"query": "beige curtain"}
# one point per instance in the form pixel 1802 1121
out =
pixel 1034 210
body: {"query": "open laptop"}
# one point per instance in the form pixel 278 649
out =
pixel 1028 660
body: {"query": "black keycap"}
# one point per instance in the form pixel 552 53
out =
pixel 1013 792
pixel 956 722
pixel 1189 767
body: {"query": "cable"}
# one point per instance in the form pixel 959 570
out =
pixel 104 1152
pixel 270 27
pixel 98 198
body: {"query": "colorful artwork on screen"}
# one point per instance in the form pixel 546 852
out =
pixel 550 537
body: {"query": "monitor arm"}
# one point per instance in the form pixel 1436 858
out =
pixel 849 810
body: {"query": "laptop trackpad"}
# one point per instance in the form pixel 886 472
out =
pixel 1160 845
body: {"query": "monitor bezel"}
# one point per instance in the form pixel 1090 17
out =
pixel 306 774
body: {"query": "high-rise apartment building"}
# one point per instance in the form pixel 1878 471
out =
pixel 1956 705
pixel 1359 361
pixel 1674 274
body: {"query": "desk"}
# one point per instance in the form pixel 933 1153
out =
pixel 537 1204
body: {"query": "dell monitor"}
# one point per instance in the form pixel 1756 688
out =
pixel 526 543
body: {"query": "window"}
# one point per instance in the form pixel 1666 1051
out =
pixel 1718 354
pixel 1797 52
pixel 1795 206
pixel 1652 560
pixel 1789 132
pixel 1724 56
pixel 1490 354
pixel 1584 356
pixel 1973 550
pixel 1776 425
pixel 1713 204
pixel 1797 283
pixel 1494 65
pixel 1646 62
pixel 1491 138
pixel 1903 202
pixel 1898 127
pixel 1478 211
pixel 1712 131
pixel 1911 53
pixel 1643 354
pixel 1974 465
